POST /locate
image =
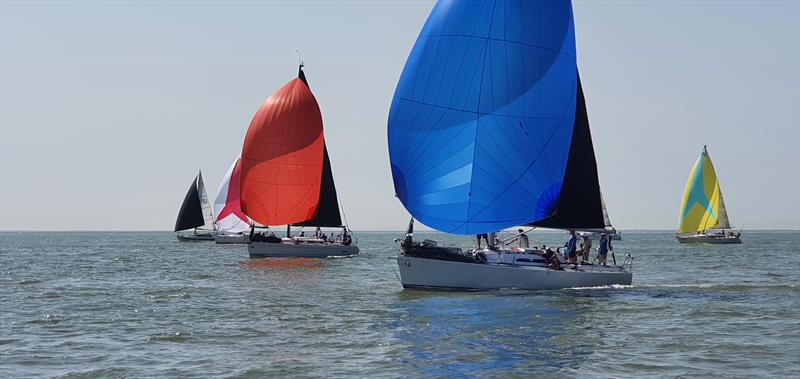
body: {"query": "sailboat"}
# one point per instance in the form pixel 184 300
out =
pixel 703 216
pixel 195 214
pixel 232 224
pixel 286 177
pixel 487 130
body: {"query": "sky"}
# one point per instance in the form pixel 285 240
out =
pixel 108 109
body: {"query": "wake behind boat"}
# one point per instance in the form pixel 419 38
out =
pixel 704 218
pixel 476 146
pixel 286 177
pixel 195 214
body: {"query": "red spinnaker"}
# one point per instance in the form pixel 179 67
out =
pixel 282 158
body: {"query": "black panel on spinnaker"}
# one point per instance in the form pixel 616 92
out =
pixel 328 208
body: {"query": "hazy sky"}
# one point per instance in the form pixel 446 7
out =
pixel 108 109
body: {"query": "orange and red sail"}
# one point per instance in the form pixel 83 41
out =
pixel 282 158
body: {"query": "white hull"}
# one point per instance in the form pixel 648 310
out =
pixel 299 250
pixel 432 273
pixel 713 239
pixel 232 238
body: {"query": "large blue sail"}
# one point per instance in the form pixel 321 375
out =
pixel 482 117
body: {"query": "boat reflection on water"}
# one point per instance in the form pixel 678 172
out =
pixel 289 263
pixel 497 333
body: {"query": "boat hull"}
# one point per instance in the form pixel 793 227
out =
pixel 300 250
pixel 232 238
pixel 709 239
pixel 194 237
pixel 438 274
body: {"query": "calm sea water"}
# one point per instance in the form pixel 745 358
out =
pixel 98 305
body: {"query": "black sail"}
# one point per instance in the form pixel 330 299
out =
pixel 328 207
pixel 580 205
pixel 191 213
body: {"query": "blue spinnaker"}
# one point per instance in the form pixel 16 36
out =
pixel 482 117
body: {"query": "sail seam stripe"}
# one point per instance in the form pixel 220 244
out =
pixel 420 162
pixel 408 148
pixel 438 92
pixel 501 40
pixel 492 114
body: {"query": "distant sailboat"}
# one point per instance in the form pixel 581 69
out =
pixel 195 214
pixel 232 224
pixel 487 130
pixel 703 216
pixel 286 177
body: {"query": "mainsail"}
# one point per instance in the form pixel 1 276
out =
pixel 192 213
pixel 484 129
pixel 205 206
pixel 228 214
pixel 702 207
pixel 286 176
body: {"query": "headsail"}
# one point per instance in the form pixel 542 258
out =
pixel 208 216
pixel 483 117
pixel 191 213
pixel 228 213
pixel 702 207
pixel 606 219
pixel 284 172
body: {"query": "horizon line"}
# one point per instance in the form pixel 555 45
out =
pixel 355 230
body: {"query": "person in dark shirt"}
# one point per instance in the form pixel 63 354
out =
pixel 571 248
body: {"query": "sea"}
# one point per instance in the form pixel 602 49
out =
pixel 144 305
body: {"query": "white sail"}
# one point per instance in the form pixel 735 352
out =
pixel 722 220
pixel 606 219
pixel 232 221
pixel 208 217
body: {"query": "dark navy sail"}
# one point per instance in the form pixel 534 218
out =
pixel 482 117
pixel 191 213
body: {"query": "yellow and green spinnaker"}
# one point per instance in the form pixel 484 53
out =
pixel 702 207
